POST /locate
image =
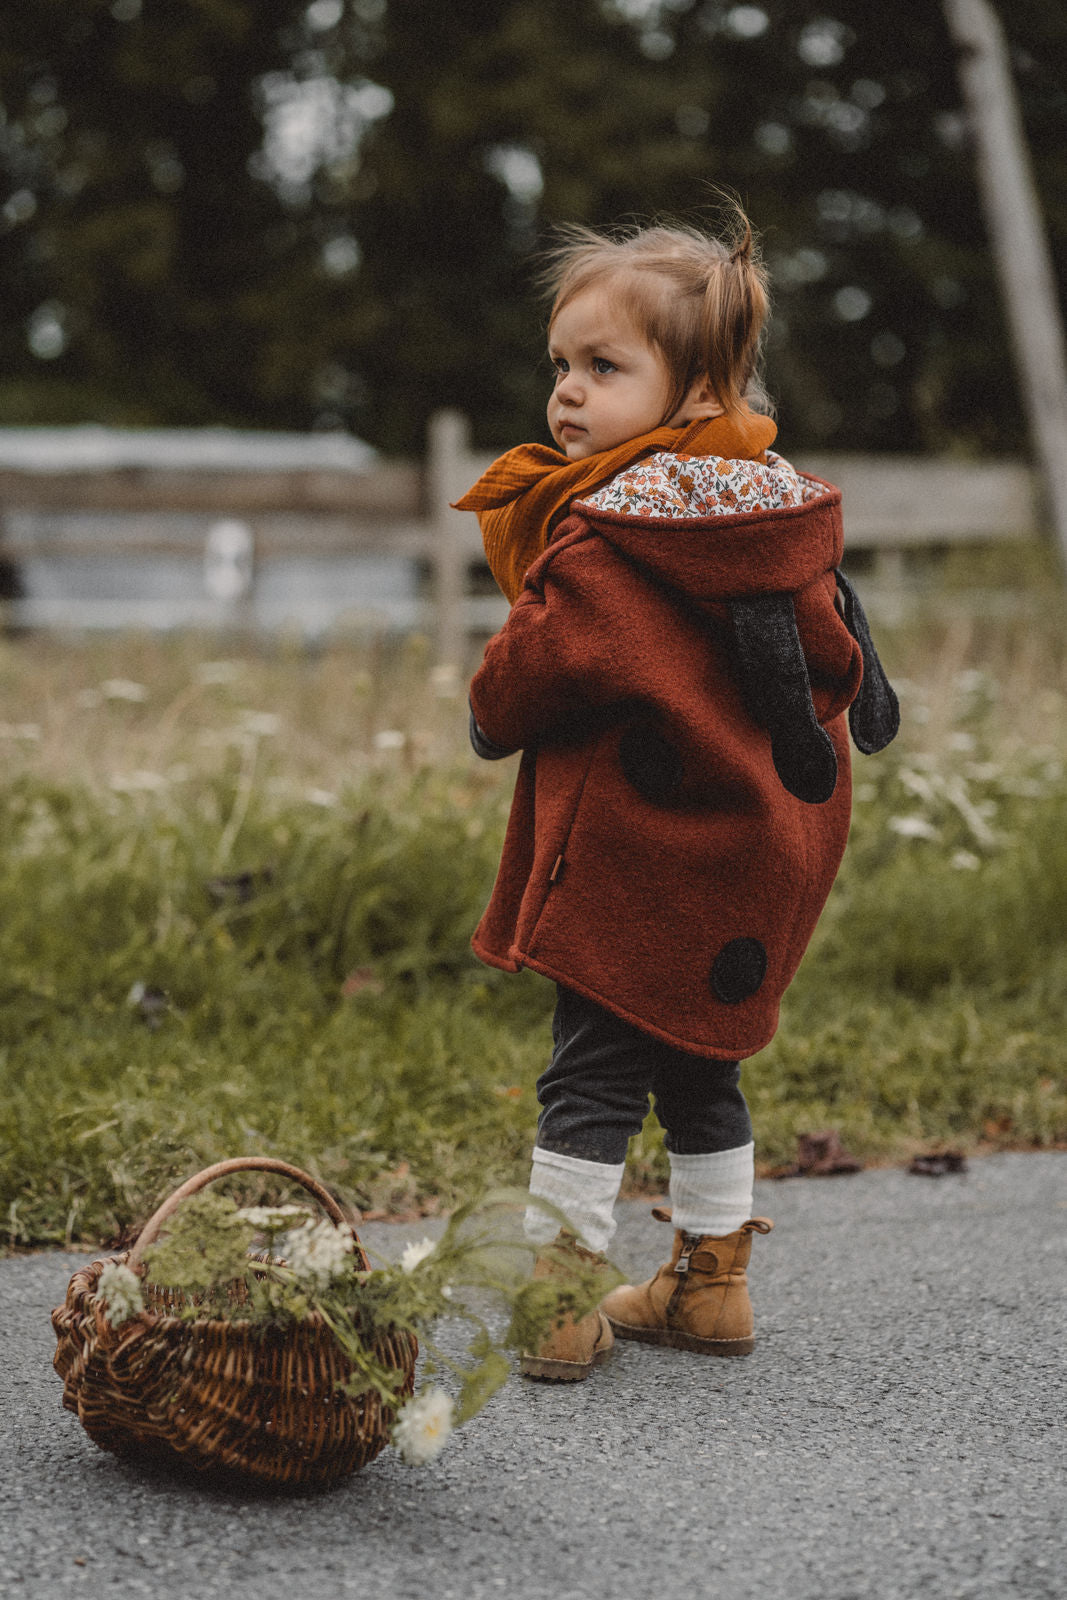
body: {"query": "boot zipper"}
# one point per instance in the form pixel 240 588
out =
pixel 681 1268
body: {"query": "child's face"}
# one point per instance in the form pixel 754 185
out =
pixel 610 386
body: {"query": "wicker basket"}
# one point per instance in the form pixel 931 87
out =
pixel 262 1402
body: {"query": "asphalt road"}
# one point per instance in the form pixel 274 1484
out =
pixel 897 1433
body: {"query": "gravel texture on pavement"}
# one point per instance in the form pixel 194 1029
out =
pixel 897 1433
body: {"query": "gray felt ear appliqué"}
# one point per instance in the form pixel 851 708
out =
pixel 874 715
pixel 777 692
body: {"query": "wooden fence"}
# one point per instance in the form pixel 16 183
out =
pixel 219 522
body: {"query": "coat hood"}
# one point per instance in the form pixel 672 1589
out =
pixel 718 528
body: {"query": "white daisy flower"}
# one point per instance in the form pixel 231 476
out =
pixel 912 827
pixel 317 1252
pixel 414 1253
pixel 120 1290
pixel 421 1431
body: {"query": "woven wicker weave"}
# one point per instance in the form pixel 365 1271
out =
pixel 262 1402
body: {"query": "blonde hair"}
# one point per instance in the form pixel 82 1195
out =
pixel 701 301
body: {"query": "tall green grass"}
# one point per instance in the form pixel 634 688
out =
pixel 238 896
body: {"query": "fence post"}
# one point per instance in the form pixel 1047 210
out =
pixel 448 447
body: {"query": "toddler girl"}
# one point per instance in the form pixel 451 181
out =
pixel 676 667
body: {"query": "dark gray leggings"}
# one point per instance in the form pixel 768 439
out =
pixel 594 1092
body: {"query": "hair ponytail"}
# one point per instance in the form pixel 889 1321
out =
pixel 735 307
pixel 744 246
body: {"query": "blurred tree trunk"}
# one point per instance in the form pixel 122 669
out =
pixel 1017 234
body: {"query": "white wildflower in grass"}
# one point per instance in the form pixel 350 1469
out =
pixel 120 1290
pixel 973 813
pixel 922 785
pixel 211 672
pixel 318 1252
pixel 139 782
pixel 445 681
pixel 260 724
pixel 414 1253
pixel 966 860
pixel 124 689
pixel 421 1431
pixel 390 739
pixel 912 827
pixel 321 797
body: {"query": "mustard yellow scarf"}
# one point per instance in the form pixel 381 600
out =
pixel 526 491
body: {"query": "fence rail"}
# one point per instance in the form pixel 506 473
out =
pixel 107 527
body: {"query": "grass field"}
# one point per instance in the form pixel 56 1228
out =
pixel 238 889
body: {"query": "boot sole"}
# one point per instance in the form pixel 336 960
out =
pixel 674 1339
pixel 546 1370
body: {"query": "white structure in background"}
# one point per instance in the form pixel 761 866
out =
pixel 229 553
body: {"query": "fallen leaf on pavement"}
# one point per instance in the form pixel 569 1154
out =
pixel 939 1164
pixel 820 1155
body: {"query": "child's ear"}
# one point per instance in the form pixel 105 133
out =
pixel 700 401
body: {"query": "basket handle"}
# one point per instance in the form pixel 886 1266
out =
pixel 150 1232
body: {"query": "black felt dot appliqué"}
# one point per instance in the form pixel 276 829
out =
pixel 738 970
pixel 651 764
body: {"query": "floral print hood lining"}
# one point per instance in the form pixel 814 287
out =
pixel 670 486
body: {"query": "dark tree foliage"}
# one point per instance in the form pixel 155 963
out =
pixel 160 261
pixel 184 287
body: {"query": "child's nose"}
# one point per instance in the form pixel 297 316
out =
pixel 568 388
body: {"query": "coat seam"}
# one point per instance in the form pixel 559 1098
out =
pixel 562 851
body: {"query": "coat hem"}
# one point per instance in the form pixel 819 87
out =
pixel 710 1052
pixel 504 963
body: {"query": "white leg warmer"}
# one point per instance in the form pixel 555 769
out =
pixel 712 1193
pixel 585 1191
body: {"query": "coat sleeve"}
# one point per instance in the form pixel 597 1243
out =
pixel 559 659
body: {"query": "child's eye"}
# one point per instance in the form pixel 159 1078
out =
pixel 562 367
pixel 602 366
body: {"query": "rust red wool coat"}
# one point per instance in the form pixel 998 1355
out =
pixel 655 859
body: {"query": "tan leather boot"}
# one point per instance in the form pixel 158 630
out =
pixel 574 1346
pixel 698 1300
